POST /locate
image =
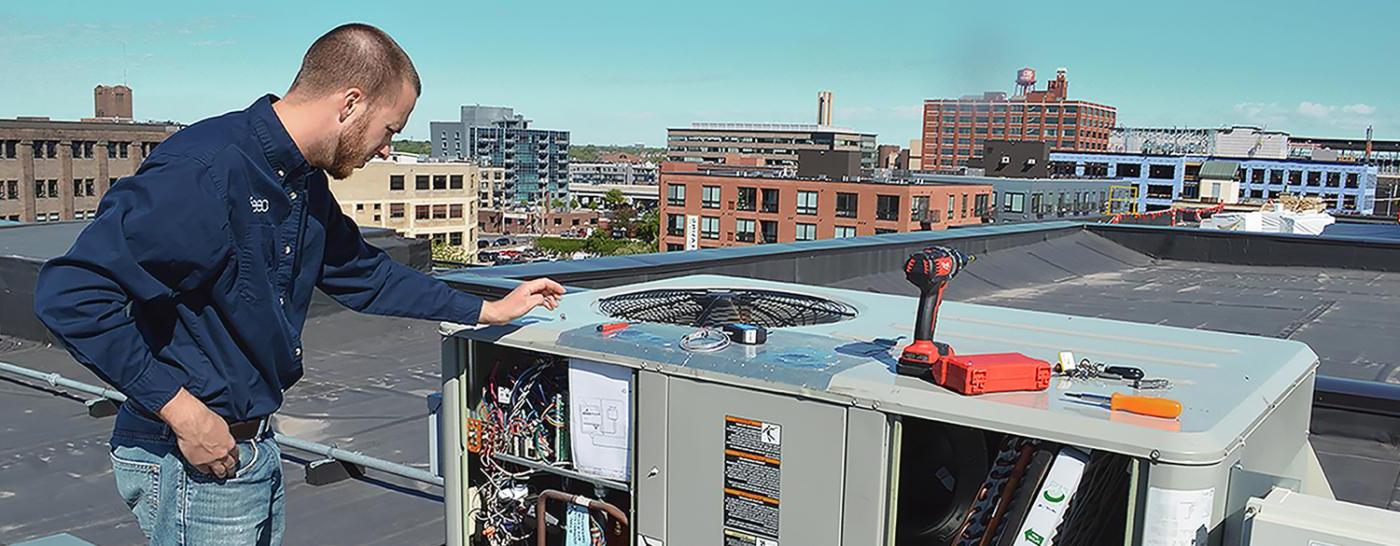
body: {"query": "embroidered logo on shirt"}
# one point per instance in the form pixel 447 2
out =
pixel 259 205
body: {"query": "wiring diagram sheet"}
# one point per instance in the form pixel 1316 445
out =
pixel 600 418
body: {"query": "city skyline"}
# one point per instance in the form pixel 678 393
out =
pixel 622 73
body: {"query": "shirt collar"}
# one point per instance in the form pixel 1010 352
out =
pixel 279 149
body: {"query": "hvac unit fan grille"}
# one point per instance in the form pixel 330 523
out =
pixel 716 307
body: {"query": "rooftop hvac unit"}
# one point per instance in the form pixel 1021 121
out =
pixel 708 410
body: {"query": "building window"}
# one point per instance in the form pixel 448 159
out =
pixel 1014 202
pixel 9 149
pixel 454 210
pixel 1334 180
pixel 847 205
pixel 1295 178
pixel 770 200
pixel 41 190
pixel 769 229
pixel 454 238
pixel 744 230
pixel 439 181
pixel 709 227
pixel 980 207
pixel 748 199
pixel 806 232
pixel 1314 178
pixel 359 207
pixel 952 200
pixel 709 197
pixel 1276 176
pixel 439 212
pixel 675 224
pixel 12 189
pixel 843 232
pixel 887 207
pixel 455 182
pixel 1129 170
pixel 1351 180
pixel 675 195
pixel 807 202
pixel 420 182
pixel 421 212
pixel 396 210
pixel 963 214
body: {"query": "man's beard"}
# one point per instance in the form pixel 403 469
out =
pixel 348 150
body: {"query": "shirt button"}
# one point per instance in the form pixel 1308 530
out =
pixel 297 351
pixel 281 173
pixel 281 300
pixel 287 249
pixel 293 196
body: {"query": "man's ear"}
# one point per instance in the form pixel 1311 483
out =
pixel 351 100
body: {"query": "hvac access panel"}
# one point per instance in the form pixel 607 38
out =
pixel 743 468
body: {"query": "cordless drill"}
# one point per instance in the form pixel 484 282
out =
pixel 929 270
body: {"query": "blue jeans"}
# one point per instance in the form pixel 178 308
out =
pixel 175 504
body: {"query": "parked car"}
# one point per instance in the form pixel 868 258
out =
pixel 501 241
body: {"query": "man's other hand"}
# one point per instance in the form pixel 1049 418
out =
pixel 202 435
pixel 527 296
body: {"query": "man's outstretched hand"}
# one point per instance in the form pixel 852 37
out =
pixel 527 296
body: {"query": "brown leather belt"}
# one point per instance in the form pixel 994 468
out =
pixel 244 431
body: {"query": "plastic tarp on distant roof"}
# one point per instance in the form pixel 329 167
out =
pixel 1219 170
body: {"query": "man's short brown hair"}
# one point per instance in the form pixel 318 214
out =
pixel 355 55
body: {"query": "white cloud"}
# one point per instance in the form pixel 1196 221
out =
pixel 1315 110
pixel 1308 115
pixel 1359 109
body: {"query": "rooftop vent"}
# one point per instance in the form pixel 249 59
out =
pixel 716 307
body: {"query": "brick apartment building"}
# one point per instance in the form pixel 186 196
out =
pixel 705 206
pixel 58 170
pixel 955 130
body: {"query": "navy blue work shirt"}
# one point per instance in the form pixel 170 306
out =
pixel 199 269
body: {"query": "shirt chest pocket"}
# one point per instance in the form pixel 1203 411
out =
pixel 257 261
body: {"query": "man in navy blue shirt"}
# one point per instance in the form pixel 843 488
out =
pixel 189 290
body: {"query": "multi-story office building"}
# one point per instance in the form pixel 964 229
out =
pixel 1237 141
pixel 1160 179
pixel 59 170
pixel 777 144
pixel 955 130
pixel 536 161
pixel 613 173
pixel 426 200
pixel 705 207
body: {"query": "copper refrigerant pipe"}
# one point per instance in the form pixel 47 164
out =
pixel 592 504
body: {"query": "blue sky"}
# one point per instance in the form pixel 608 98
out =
pixel 621 72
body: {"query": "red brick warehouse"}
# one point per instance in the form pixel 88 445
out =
pixel 955 130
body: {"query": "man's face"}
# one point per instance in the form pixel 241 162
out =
pixel 368 131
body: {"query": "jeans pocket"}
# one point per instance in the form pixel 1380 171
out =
pixel 247 457
pixel 138 482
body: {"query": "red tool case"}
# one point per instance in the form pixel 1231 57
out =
pixel 994 372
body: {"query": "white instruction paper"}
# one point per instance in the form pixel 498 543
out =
pixel 1178 517
pixel 600 418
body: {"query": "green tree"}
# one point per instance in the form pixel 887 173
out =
pixel 648 226
pixel 420 147
pixel 614 198
pixel 445 253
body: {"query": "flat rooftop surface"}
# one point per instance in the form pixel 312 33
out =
pixel 1351 318
pixel 364 390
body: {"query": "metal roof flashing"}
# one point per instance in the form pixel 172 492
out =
pixel 1227 383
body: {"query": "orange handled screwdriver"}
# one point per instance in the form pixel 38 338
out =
pixel 1152 406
